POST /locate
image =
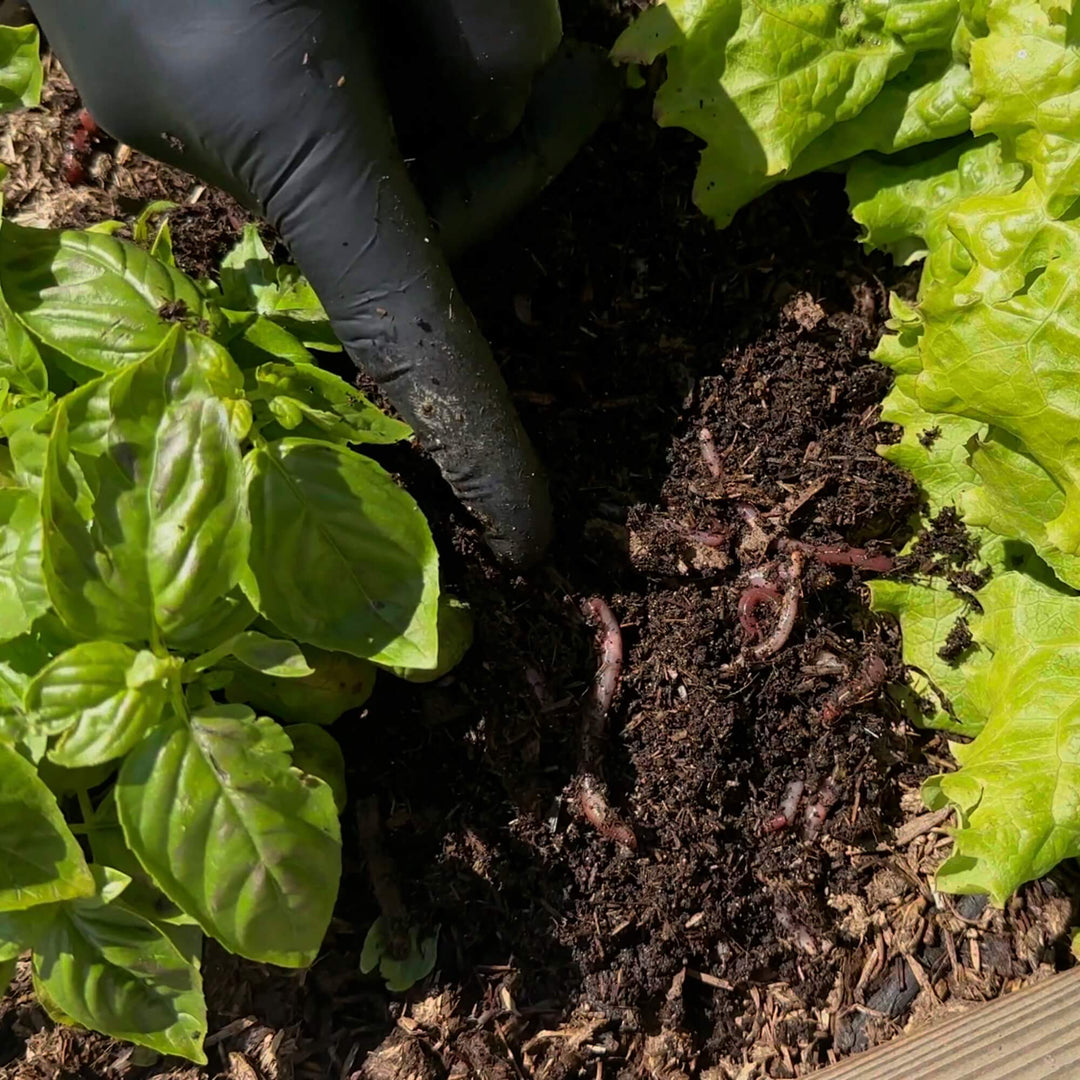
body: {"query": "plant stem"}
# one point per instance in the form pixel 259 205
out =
pixel 86 807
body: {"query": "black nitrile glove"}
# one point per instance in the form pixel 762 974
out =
pixel 280 102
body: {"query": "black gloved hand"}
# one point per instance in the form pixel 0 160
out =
pixel 280 102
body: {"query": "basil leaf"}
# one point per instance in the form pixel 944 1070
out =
pixel 342 557
pixel 23 597
pixel 232 834
pixel 455 639
pixel 20 68
pixel 52 1009
pixel 95 299
pixel 329 405
pixel 169 532
pixel 316 752
pixel 40 861
pixel 248 274
pixel 20 359
pixel 109 968
pixel 102 696
pixel 20 659
pixel 339 683
pixel 110 849
pixel 224 619
pixel 271 656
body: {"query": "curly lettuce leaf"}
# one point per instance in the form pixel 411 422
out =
pixel 763 83
pixel 1017 791
pixel 1016 497
pixel 1027 73
pixel 905 208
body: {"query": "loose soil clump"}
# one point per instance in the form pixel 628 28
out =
pixel 709 415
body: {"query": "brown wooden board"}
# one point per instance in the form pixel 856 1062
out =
pixel 1031 1035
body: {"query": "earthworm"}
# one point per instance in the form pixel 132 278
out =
pixel 594 806
pixel 706 539
pixel 591 796
pixel 865 683
pixel 749 601
pixel 789 806
pixel 610 644
pixel 840 555
pixel 709 453
pixel 818 811
pixel 789 612
pixel 73 169
pixel 73 163
pixel 790 802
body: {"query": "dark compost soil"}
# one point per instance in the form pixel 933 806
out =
pixel 733 942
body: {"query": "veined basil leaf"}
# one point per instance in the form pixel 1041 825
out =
pixel 170 529
pixel 342 557
pixel 40 861
pixel 109 968
pixel 20 68
pixel 339 683
pixel 327 405
pixel 101 698
pixel 23 597
pixel 231 833
pixel 93 298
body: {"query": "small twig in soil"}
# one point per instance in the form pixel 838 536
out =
pixel 818 811
pixel 384 879
pixel 789 612
pixel 590 792
pixel 840 555
pixel 709 454
pixel 749 601
pixel 789 807
pixel 865 684
pixel 797 500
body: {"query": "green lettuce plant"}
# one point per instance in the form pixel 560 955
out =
pixel 987 359
pixel 198 571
